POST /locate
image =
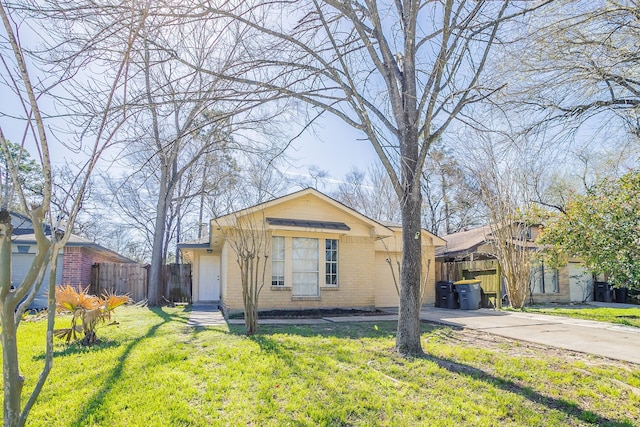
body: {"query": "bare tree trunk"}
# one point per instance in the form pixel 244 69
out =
pixel 201 203
pixel 13 381
pixel 157 250
pixel 155 268
pixel 408 338
pixel 178 223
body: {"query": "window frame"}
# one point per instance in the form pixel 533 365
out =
pixel 280 281
pixel 538 280
pixel 316 271
pixel 331 262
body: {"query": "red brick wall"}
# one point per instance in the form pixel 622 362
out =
pixel 77 262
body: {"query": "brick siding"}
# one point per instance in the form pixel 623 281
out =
pixel 77 263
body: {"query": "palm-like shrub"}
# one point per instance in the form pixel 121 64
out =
pixel 87 311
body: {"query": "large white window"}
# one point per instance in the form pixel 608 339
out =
pixel 304 266
pixel 544 280
pixel 277 261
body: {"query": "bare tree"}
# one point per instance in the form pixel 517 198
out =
pixel 183 116
pixel 248 237
pixel 401 72
pixel 505 180
pixel 15 300
pixel 450 203
pixel 577 60
pixel 246 229
pixel 370 192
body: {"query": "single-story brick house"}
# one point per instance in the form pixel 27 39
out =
pixel 74 264
pixel 323 255
pixel 470 255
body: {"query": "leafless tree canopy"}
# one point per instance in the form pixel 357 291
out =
pixel 579 59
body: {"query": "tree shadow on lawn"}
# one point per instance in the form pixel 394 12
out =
pixel 98 398
pixel 351 330
pixel 569 408
pixel 358 330
pixel 77 348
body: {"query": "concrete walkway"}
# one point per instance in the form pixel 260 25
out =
pixel 603 339
pixel 205 315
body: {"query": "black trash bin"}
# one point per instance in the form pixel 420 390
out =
pixel 603 292
pixel 621 295
pixel 446 295
pixel 469 294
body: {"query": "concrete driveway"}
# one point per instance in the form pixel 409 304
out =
pixel 585 336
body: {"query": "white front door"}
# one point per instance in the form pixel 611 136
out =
pixel 209 278
pixel 580 283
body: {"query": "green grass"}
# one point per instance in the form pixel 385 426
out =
pixel 153 370
pixel 622 316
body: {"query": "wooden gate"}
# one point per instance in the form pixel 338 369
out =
pixel 177 282
pixel 132 279
pixel 121 278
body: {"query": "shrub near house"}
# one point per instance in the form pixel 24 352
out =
pixel 602 228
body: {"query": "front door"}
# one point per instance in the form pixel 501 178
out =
pixel 209 278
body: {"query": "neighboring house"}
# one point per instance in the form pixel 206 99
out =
pixel 470 255
pixel 323 255
pixel 74 263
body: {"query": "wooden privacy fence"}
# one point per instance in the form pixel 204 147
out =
pixel 121 278
pixel 133 279
pixel 176 280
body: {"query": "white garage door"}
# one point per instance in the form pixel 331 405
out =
pixel 20 265
pixel 580 283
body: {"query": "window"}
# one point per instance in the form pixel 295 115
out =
pixel 544 280
pixel 23 249
pixel 304 266
pixel 331 262
pixel 277 261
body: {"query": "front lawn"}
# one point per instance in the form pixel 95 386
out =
pixel 153 370
pixel 622 316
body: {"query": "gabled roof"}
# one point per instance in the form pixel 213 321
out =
pixel 229 219
pixel 383 228
pixel 23 234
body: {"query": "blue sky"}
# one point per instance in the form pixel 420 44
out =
pixel 332 146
